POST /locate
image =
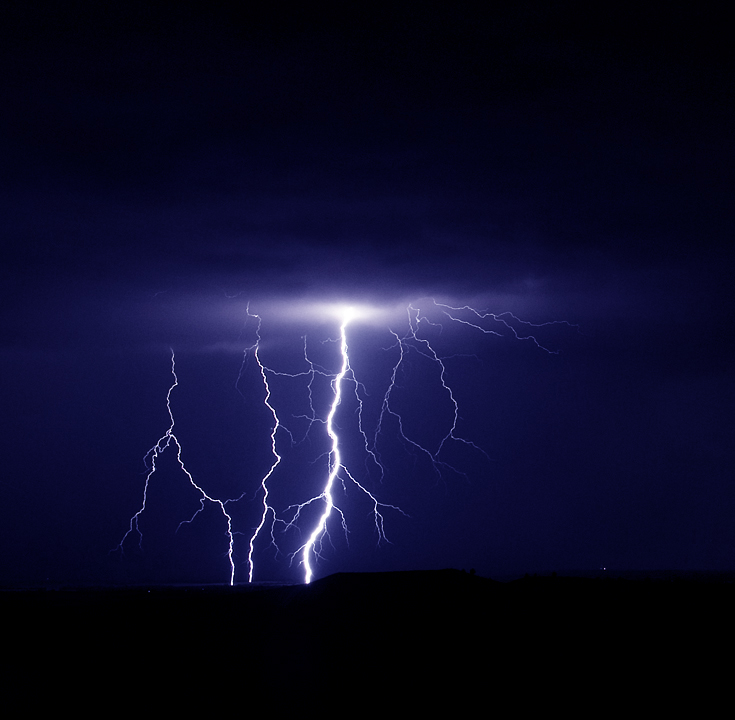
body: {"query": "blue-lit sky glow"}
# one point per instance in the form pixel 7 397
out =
pixel 166 178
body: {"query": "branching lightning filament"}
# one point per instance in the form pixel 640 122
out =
pixel 311 519
pixel 150 460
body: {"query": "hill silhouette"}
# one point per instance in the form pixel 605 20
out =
pixel 351 636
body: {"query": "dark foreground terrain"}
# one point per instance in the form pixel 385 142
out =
pixel 348 640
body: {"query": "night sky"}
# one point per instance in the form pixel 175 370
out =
pixel 167 174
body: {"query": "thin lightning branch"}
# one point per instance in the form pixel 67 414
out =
pixel 501 318
pixel 412 342
pixel 369 450
pixel 277 458
pixel 431 353
pixel 152 455
pixel 312 372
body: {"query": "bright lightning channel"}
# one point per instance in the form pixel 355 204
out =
pixel 334 458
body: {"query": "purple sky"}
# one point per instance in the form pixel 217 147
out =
pixel 161 170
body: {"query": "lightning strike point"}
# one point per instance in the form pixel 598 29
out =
pixel 335 462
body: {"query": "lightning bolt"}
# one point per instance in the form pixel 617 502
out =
pixel 334 463
pixel 267 509
pixel 164 442
pixel 410 339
